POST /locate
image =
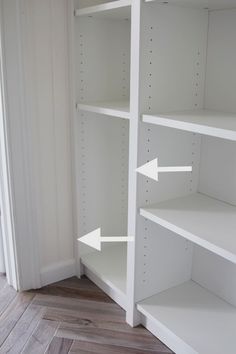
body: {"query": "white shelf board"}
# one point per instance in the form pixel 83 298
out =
pixel 189 319
pixel 202 4
pixel 203 220
pixel 110 267
pixel 120 9
pixel 114 109
pixel 218 124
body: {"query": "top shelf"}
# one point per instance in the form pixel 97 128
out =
pixel 120 10
pixel 200 4
pixel 217 124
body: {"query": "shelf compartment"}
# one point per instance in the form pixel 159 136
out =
pixel 112 279
pixel 191 320
pixel 217 124
pixel 119 109
pixel 205 221
pixel 201 4
pixel 120 9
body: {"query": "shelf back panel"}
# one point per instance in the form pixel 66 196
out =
pixel 173 56
pixel 218 169
pixel 165 260
pixel 103 175
pixel 221 58
pixel 215 274
pixel 102 59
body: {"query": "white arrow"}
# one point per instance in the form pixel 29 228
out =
pixel 94 239
pixel 151 169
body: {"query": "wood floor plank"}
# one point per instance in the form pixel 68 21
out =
pixel 41 337
pixel 101 333
pixel 3 281
pixel 84 291
pixel 139 331
pixel 59 346
pixel 83 347
pixel 75 283
pixel 23 330
pixel 83 309
pixel 13 313
pixel 7 295
pixel 71 316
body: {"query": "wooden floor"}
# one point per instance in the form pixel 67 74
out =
pixel 71 316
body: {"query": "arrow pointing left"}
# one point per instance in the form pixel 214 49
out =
pixel 94 239
pixel 151 169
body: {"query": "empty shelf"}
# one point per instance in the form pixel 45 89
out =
pixel 109 267
pixel 114 109
pixel 218 124
pixel 203 220
pixel 120 9
pixel 191 320
pixel 202 4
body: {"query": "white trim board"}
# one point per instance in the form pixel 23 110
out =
pixel 57 271
pixel 205 221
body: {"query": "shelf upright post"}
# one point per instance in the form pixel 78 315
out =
pixel 132 315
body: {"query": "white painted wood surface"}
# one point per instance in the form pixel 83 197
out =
pixel 214 273
pixel 110 267
pixel 200 219
pixel 202 4
pixel 40 141
pixel 175 65
pixel 119 109
pixel 218 124
pixel 102 76
pixel 132 316
pixel 221 56
pixel 21 200
pixel 46 70
pixel 6 202
pixel 179 80
pixel 191 320
pixel 120 9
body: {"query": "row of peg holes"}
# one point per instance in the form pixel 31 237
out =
pixel 124 76
pixel 82 136
pixel 196 106
pixel 123 169
pixel 148 150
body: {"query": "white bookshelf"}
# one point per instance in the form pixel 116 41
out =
pixel 191 320
pixel 101 57
pixel 111 278
pixel 186 228
pixel 120 9
pixel 118 109
pixel 212 123
pixel 167 69
pixel 200 219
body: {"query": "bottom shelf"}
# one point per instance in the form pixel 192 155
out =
pixel 189 319
pixel 107 269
